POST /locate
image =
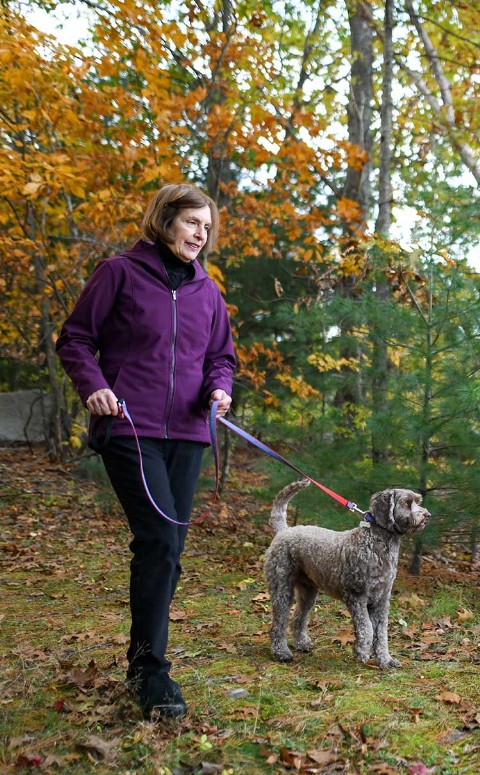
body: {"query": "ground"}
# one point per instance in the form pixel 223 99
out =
pixel 64 706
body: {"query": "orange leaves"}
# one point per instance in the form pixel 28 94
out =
pixel 255 360
pixel 348 210
pixel 217 275
pixel 355 156
pixel 258 363
pixel 220 120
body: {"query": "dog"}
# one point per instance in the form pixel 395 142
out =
pixel 357 566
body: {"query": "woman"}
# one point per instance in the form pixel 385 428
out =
pixel 161 331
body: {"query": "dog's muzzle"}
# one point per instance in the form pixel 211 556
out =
pixel 420 519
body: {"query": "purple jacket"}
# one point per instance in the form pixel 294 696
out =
pixel 162 351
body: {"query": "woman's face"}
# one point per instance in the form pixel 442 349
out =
pixel 188 232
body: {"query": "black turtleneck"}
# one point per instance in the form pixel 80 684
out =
pixel 178 271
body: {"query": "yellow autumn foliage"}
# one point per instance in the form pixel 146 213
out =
pixel 324 362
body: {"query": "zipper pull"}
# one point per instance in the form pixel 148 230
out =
pixel 174 294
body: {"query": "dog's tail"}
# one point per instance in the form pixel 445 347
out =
pixel 278 516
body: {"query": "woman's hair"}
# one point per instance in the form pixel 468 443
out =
pixel 166 204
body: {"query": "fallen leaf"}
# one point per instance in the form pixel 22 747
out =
pixel 244 583
pixel 344 637
pixel 86 677
pixel 415 714
pixel 451 698
pixel 464 615
pixel 412 600
pixel 327 683
pixel 382 768
pixel 121 639
pixel 229 647
pixel 444 623
pixel 29 760
pixel 245 712
pixel 291 758
pixel 98 748
pixel 177 615
pixel 419 768
pixel 323 757
pixel 271 757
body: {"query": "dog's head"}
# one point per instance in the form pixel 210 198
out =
pixel 399 511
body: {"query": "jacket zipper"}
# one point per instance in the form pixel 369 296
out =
pixel 171 378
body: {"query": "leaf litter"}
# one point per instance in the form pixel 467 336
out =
pixel 64 705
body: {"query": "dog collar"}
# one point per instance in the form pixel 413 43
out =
pixel 369 518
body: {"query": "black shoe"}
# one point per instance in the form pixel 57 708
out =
pixel 158 696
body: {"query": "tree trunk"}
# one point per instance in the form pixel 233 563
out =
pixel 219 171
pixel 382 227
pixel 416 562
pixel 359 110
pixel 357 181
pixel 219 167
pixel 46 347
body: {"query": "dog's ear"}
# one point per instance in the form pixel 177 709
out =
pixel 382 505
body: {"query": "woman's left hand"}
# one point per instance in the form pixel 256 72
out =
pixel 224 401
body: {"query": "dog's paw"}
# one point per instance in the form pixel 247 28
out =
pixel 389 664
pixel 303 644
pixel 363 655
pixel 283 656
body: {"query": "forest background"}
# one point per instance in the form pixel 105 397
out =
pixel 318 127
pixel 341 142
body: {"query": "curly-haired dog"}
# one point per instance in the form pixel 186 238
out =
pixel 357 566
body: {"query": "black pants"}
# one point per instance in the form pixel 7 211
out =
pixel 171 469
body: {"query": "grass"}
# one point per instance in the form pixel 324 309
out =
pixel 64 708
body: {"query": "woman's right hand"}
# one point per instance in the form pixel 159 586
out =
pixel 102 402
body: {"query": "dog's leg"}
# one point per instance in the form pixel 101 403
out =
pixel 305 596
pixel 379 618
pixel 281 598
pixel 362 626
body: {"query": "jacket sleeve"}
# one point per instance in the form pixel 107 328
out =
pixel 220 361
pixel 80 337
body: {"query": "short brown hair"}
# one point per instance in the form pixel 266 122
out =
pixel 165 205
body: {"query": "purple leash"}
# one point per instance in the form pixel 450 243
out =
pixel 271 452
pixel 124 413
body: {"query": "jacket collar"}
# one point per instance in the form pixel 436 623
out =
pixel 146 253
